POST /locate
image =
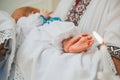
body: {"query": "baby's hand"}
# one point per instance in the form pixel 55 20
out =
pixel 45 13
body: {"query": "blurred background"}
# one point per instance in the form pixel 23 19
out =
pixel 10 5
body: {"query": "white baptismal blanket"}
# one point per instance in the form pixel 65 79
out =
pixel 46 62
pixel 42 51
pixel 38 59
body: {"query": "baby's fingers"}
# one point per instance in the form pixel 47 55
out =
pixel 50 12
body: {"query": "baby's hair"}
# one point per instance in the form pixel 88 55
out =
pixel 23 11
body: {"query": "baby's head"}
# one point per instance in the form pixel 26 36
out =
pixel 23 12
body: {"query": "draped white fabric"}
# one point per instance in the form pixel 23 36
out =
pixel 39 60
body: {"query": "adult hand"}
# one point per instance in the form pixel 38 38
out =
pixel 45 13
pixel 2 50
pixel 79 43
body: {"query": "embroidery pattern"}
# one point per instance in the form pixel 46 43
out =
pixel 18 75
pixel 77 10
pixel 5 35
pixel 114 51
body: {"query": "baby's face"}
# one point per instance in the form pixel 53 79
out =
pixel 35 11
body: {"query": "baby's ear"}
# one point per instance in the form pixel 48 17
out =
pixel 34 11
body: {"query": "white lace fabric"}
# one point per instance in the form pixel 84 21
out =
pixel 5 35
pixel 18 75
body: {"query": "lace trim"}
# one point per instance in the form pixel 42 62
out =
pixel 18 74
pixel 114 51
pixel 5 35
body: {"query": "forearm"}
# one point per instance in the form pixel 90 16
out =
pixel 2 54
pixel 2 51
pixel 115 54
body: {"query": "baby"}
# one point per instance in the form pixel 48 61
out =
pixel 26 11
pixel 72 44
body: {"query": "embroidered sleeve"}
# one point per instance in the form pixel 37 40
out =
pixel 114 51
pixel 78 8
